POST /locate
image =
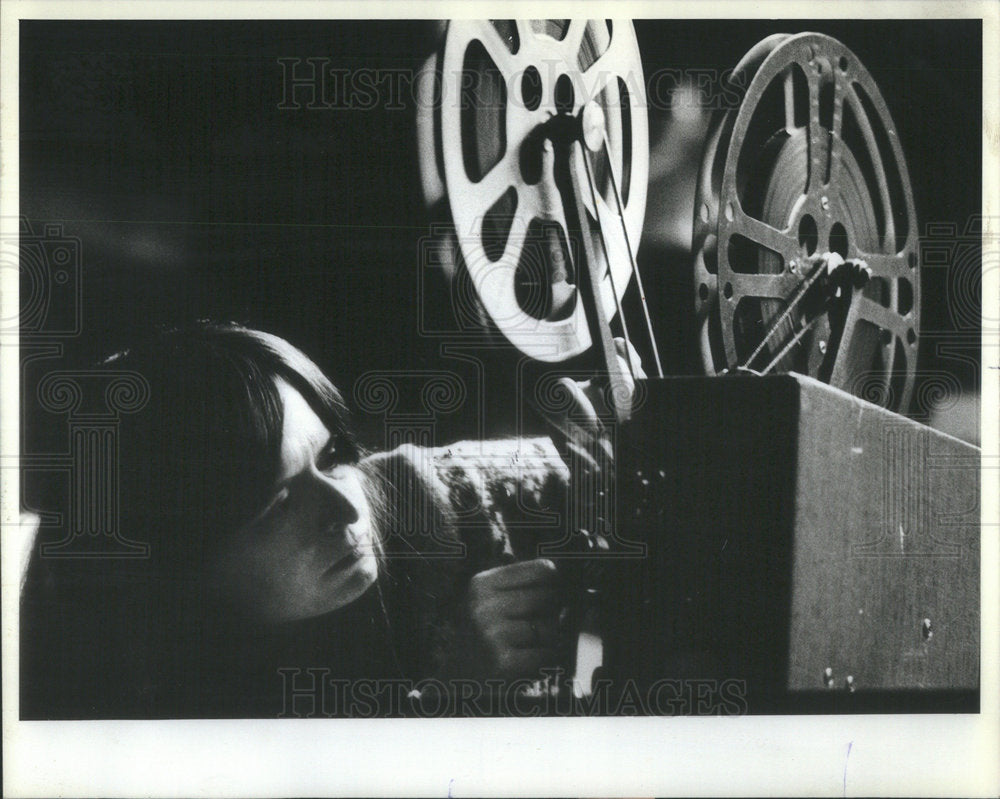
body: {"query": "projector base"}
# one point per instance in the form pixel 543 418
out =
pixel 814 550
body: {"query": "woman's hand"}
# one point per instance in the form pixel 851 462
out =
pixel 582 426
pixel 589 397
pixel 514 613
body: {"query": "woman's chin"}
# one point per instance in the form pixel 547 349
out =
pixel 352 580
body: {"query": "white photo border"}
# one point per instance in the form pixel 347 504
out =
pixel 806 755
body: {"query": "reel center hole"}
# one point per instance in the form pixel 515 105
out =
pixel 838 239
pixel 808 234
pixel 564 95
pixel 531 88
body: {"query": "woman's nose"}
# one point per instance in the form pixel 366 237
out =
pixel 342 491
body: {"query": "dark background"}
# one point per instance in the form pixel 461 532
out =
pixel 161 147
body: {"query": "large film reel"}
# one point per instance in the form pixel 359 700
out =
pixel 486 99
pixel 805 233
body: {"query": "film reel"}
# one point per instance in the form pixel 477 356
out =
pixel 805 233
pixel 487 102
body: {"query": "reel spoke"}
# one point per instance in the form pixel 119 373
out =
pixel 841 364
pixel 574 38
pixel 524 30
pixel 824 139
pixel 778 287
pixel 881 176
pixel 889 265
pixel 818 136
pixel 618 62
pixel 880 316
pixel 789 101
pixel 835 147
pixel 497 49
pixel 763 234
pixel 493 185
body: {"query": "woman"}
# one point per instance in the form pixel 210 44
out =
pixel 277 544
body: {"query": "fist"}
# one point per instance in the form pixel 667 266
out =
pixel 514 613
pixel 588 398
pixel 583 434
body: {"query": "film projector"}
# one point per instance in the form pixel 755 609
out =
pixel 777 521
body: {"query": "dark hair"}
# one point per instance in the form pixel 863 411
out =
pixel 141 636
pixel 198 460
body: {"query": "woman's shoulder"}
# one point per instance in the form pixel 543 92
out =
pixel 530 461
pixel 499 496
pixel 451 512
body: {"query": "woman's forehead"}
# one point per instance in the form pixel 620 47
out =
pixel 303 433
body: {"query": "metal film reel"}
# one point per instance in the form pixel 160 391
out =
pixel 485 99
pixel 805 233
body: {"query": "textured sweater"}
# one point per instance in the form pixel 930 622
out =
pixel 452 512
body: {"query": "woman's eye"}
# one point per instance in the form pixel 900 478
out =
pixel 333 455
pixel 327 459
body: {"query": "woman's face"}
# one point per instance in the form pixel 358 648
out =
pixel 311 550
